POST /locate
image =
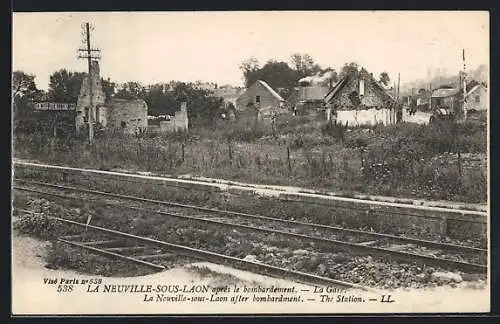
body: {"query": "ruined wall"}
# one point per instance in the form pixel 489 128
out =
pixel 129 115
pixel 178 122
pixel 98 98
pixel 364 117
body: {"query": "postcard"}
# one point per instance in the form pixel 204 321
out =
pixel 250 162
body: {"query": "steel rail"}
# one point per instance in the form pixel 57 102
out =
pixel 426 243
pixel 480 216
pixel 340 245
pixel 112 254
pixel 261 268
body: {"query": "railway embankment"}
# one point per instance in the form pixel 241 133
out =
pixel 420 220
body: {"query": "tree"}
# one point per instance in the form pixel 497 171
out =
pixel 130 90
pixel 24 91
pixel 202 105
pixel 349 69
pixel 108 88
pixel 279 75
pixel 250 67
pixel 384 78
pixel 304 65
pixel 160 100
pixel 23 84
pixel 65 86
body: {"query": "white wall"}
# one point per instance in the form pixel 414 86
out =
pixel 364 117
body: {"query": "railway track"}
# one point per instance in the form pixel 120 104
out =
pixel 451 256
pixel 148 252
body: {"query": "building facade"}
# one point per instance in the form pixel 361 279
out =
pixel 358 99
pixel 259 101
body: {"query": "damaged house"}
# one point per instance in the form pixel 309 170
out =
pixel 129 116
pixel 358 99
pixel 259 102
pixel 477 98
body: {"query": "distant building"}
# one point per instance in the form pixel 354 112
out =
pixel 358 99
pixel 447 97
pixel 259 101
pixel 477 98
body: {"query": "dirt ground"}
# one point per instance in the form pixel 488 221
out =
pixel 30 295
pixel 420 117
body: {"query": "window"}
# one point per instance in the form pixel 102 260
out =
pixel 478 99
pixel 86 117
pixel 257 99
pixel 123 124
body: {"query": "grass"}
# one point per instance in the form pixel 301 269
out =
pixel 405 160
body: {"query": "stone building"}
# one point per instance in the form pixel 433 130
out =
pixel 98 99
pixel 130 116
pixel 258 102
pixel 358 99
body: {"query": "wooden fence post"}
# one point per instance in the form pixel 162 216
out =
pixel 288 159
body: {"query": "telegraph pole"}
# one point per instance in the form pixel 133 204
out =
pixel 88 54
pixel 464 85
pixel 397 98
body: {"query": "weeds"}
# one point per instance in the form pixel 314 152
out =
pixel 399 160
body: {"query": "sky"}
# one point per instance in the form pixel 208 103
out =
pixel 152 47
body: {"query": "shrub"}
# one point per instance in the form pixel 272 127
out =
pixel 334 130
pixel 38 225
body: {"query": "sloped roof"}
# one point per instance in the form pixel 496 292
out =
pixel 335 89
pixel 271 90
pixel 331 94
pixel 445 92
pixel 477 86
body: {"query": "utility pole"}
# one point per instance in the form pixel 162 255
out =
pixel 430 97
pixel 397 98
pixel 464 85
pixel 88 54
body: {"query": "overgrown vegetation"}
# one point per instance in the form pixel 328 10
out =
pixel 405 160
